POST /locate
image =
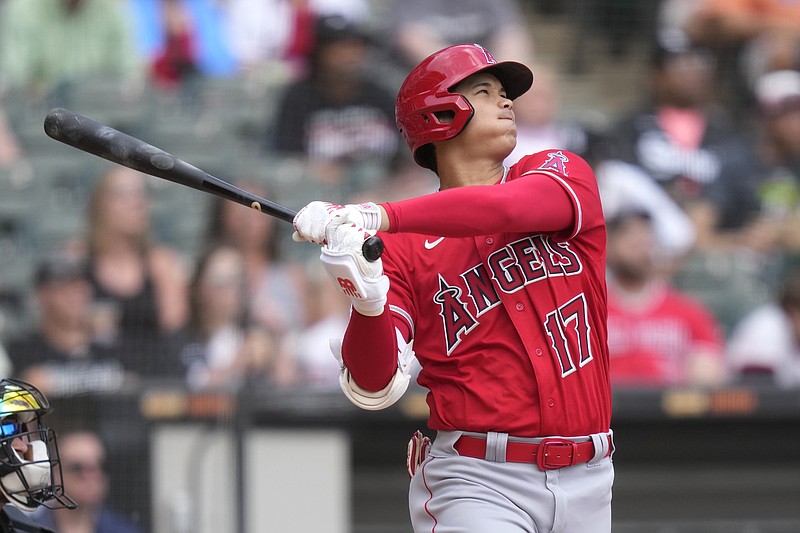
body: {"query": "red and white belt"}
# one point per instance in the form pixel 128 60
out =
pixel 548 454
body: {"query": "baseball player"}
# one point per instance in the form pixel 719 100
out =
pixel 496 284
pixel 29 463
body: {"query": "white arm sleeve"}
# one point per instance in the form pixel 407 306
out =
pixel 377 400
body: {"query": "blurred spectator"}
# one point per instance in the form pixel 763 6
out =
pixel 176 61
pixel 766 342
pixel 60 356
pixel 757 35
pixel 10 149
pixel 222 347
pixel 45 43
pixel 140 285
pixel 687 142
pixel 329 313
pixel 277 35
pixel 6 369
pixel 417 28
pixel 277 288
pixel 180 39
pixel 778 165
pixel 337 115
pixel 657 336
pixel 625 187
pixel 83 457
pixel 539 125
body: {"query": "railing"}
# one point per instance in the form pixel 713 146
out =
pixel 687 460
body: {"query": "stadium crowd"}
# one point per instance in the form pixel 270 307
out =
pixel 293 100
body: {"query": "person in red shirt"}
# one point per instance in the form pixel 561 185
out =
pixel 657 335
pixel 495 284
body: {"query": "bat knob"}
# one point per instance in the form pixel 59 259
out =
pixel 372 248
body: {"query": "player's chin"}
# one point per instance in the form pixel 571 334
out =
pixel 509 142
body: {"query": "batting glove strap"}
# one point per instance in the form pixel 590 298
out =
pixel 366 215
pixel 363 282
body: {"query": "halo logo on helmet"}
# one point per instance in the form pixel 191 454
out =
pixel 428 111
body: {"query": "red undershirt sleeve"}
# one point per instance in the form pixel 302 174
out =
pixel 534 203
pixel 369 349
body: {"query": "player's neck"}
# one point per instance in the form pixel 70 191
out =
pixel 461 175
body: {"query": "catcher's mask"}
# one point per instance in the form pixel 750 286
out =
pixel 426 96
pixel 29 458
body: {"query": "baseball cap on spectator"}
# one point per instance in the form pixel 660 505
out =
pixel 674 43
pixel 59 267
pixel 777 92
pixel 623 215
pixel 336 28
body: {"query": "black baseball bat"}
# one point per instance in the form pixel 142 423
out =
pixel 104 141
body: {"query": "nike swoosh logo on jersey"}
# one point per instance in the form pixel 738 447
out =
pixel 431 245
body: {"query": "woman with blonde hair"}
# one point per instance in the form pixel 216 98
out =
pixel 140 285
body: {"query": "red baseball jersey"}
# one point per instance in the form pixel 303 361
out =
pixel 650 343
pixel 509 326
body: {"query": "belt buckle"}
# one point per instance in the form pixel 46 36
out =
pixel 554 448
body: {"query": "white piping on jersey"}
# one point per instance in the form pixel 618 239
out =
pixel 572 193
pixel 405 316
pixel 505 174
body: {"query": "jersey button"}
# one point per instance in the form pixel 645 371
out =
pixel 551 402
pixel 489 240
pixel 539 352
pixel 520 306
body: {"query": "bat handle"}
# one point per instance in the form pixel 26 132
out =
pixel 372 248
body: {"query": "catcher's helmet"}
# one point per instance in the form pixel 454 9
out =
pixel 27 478
pixel 426 96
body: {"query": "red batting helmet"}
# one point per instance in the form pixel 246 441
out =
pixel 425 93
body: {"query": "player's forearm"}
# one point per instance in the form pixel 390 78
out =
pixel 533 204
pixel 369 350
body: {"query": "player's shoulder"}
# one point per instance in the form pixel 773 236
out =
pixel 559 161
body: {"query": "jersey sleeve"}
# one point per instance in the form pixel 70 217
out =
pixel 556 195
pixel 577 179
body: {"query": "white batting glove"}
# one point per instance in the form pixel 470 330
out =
pixel 318 219
pixel 362 281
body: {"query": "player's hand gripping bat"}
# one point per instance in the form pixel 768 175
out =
pixel 103 141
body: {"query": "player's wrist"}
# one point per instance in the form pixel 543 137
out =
pixel 385 224
pixel 368 215
pixel 373 300
pixel 389 217
pixel 371 309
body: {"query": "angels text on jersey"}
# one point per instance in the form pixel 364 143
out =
pixel 511 268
